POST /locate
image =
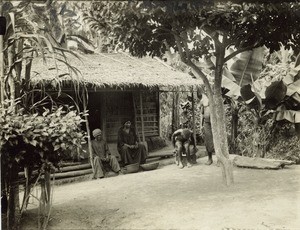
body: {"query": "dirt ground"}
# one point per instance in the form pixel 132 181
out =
pixel 173 198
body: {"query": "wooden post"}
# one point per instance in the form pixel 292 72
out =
pixel 159 114
pixel 1 62
pixel 142 117
pixel 193 114
pixel 88 129
pixel 135 118
pixel 103 115
pixel 175 111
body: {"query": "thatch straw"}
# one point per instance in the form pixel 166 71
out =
pixel 115 70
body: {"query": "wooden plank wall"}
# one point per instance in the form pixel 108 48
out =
pixel 150 114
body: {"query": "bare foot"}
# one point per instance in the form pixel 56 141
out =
pixel 209 162
pixel 181 165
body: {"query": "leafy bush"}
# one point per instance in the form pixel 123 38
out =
pixel 254 134
pixel 31 139
pixel 285 145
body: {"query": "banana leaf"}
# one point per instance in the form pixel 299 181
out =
pixel 292 116
pixel 275 93
pixel 247 68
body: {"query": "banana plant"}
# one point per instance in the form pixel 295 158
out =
pixel 272 89
pixel 268 84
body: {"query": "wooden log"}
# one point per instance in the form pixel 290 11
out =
pixel 74 168
pixel 285 162
pixel 259 163
pixel 72 173
pixel 71 179
pixel 65 164
pixel 63 169
pixel 166 154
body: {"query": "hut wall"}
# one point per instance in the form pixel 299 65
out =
pixel 150 114
pixel 109 109
pixel 119 108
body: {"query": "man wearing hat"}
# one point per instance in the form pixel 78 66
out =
pixel 102 156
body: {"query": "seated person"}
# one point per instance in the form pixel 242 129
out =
pixel 130 150
pixel 102 156
pixel 181 140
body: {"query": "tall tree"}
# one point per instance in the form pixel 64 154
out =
pixel 196 30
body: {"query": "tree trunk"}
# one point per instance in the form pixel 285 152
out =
pixel 47 198
pixel 11 80
pixel 28 186
pixel 18 68
pixel 220 139
pixel 27 73
pixel 218 119
pixel 234 128
pixel 13 213
pixel 217 113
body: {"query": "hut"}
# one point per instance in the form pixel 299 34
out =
pixel 119 87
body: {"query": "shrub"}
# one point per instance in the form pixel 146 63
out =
pixel 285 145
pixel 34 141
pixel 31 139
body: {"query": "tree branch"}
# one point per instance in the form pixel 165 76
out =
pixel 214 37
pixel 220 53
pixel 228 57
pixel 189 62
pixel 180 49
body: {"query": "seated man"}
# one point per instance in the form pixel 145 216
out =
pixel 182 139
pixel 130 150
pixel 102 156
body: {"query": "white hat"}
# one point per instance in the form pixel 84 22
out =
pixel 97 132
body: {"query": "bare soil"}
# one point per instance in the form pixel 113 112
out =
pixel 173 198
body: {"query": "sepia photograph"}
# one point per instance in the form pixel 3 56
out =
pixel 150 115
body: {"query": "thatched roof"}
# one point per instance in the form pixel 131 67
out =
pixel 114 70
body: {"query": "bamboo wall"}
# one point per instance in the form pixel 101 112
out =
pixel 150 115
pixel 113 108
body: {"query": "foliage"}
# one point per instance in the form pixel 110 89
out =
pixel 31 139
pixel 271 88
pixel 253 136
pixel 35 30
pixel 166 114
pixel 34 141
pixel 284 144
